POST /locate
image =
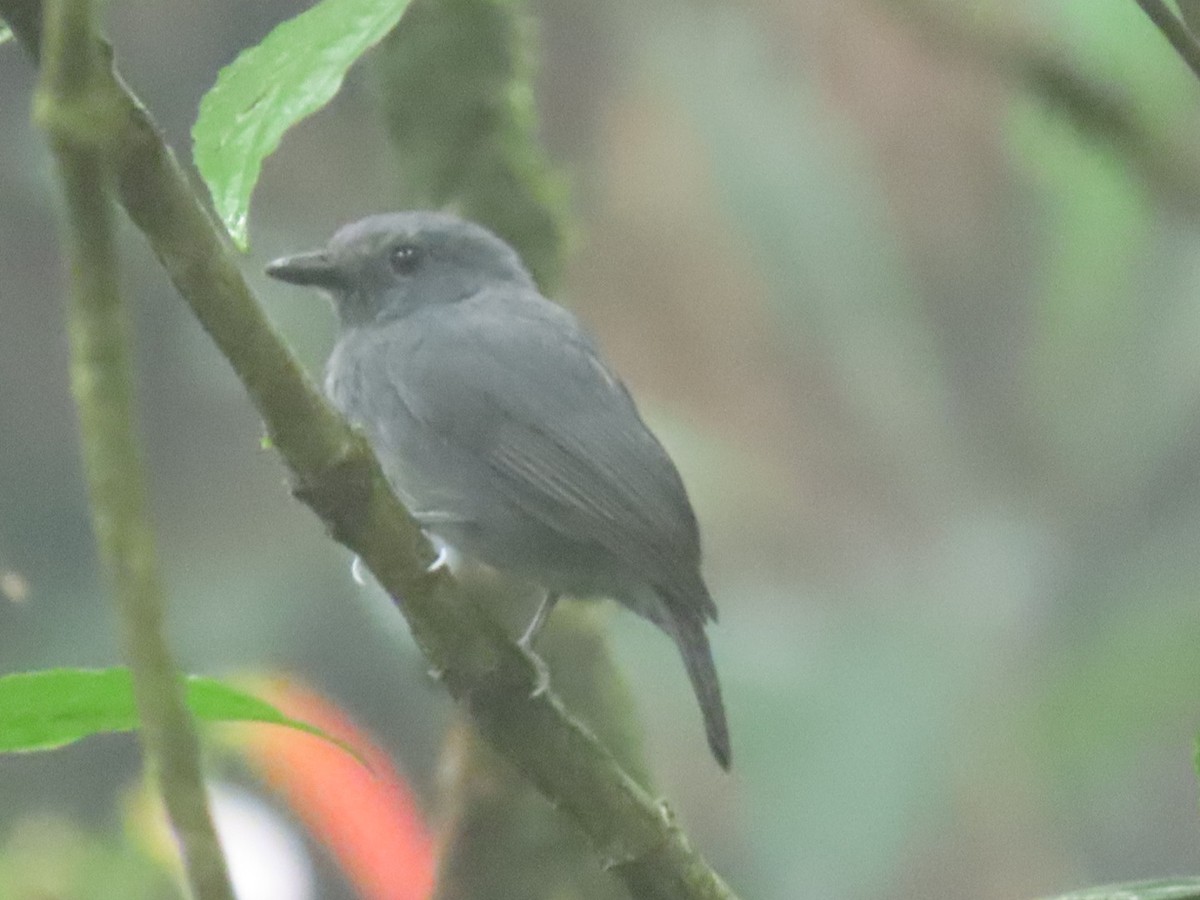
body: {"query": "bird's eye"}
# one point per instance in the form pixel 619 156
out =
pixel 404 259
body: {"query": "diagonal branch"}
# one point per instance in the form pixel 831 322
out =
pixel 1174 31
pixel 336 474
pixel 72 105
pixel 1164 158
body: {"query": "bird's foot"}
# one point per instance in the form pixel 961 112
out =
pixel 442 561
pixel 541 683
pixel 539 622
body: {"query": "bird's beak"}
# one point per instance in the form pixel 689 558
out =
pixel 314 269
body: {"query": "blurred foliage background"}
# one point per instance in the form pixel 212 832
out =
pixel 909 289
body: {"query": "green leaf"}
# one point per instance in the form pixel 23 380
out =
pixel 6 33
pixel 54 707
pixel 1186 889
pixel 295 71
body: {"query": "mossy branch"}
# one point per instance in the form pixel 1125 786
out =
pixel 79 108
pixel 338 476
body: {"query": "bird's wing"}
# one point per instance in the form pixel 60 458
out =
pixel 513 382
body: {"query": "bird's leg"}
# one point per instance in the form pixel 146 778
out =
pixel 539 621
pixel 526 642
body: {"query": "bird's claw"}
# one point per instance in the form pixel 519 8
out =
pixel 358 569
pixel 541 683
pixel 442 561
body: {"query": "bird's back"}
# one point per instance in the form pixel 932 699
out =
pixel 504 424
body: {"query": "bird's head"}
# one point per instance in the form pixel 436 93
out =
pixel 385 266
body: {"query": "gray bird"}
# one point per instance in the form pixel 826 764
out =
pixel 504 431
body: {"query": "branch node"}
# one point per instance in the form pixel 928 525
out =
pixel 339 490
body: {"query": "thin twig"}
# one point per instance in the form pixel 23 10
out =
pixel 80 109
pixel 1175 31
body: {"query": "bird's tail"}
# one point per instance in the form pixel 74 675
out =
pixel 688 632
